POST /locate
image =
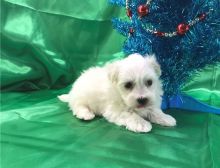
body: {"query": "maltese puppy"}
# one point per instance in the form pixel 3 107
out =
pixel 125 92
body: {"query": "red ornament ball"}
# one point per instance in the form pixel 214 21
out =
pixel 202 16
pixel 143 10
pixel 182 28
pixel 131 31
pixel 129 13
pixel 158 33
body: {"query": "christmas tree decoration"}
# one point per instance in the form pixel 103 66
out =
pixel 143 10
pixel 129 13
pixel 184 36
pixel 182 28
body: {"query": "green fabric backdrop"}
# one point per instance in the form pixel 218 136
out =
pixel 44 47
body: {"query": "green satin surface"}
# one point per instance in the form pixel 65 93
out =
pixel 205 86
pixel 44 47
pixel 39 131
pixel 46 44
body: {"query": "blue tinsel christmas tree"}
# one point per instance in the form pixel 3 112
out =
pixel 180 54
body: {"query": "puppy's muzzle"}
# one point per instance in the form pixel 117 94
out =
pixel 142 101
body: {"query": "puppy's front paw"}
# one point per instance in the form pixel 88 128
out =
pixel 167 120
pixel 84 114
pixel 139 125
pixel 87 116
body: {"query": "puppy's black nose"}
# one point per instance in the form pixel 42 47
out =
pixel 142 100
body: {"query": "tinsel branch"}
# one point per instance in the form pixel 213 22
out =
pixel 118 2
pixel 121 26
pixel 179 56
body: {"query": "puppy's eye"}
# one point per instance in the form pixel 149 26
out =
pixel 129 85
pixel 149 82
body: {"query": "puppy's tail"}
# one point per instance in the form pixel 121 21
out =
pixel 64 98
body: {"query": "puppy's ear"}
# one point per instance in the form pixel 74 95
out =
pixel 151 59
pixel 113 71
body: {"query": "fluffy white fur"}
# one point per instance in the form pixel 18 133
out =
pixel 125 92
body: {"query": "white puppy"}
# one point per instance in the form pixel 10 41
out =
pixel 123 92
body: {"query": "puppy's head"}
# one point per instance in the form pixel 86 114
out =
pixel 137 80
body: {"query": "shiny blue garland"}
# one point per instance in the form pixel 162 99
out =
pixel 179 56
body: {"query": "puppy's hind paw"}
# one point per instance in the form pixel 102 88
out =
pixel 64 98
